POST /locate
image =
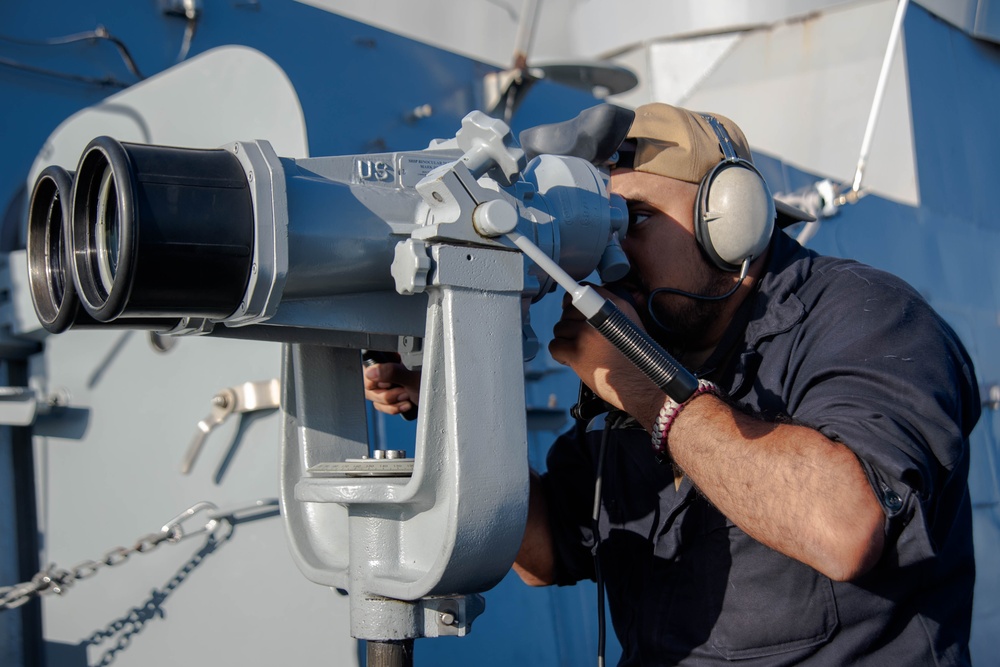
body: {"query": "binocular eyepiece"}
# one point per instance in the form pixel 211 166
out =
pixel 142 237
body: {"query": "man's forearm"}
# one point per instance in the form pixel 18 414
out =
pixel 535 562
pixel 786 486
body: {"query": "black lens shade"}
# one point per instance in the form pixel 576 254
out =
pixel 160 231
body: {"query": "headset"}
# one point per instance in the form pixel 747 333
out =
pixel 734 211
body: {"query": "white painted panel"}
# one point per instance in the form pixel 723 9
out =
pixel 803 91
pixel 609 27
pixel 566 29
pixel 478 29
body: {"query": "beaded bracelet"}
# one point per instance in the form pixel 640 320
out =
pixel 669 412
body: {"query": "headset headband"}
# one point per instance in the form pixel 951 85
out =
pixel 725 143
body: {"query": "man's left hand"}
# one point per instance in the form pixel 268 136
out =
pixel 601 366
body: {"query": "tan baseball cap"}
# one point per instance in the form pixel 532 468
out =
pixel 681 144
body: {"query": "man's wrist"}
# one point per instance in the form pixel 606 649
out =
pixel 668 415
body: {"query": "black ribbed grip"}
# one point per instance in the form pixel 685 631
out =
pixel 655 362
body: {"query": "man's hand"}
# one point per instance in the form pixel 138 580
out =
pixel 601 366
pixel 392 387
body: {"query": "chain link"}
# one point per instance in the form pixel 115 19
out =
pixel 57 580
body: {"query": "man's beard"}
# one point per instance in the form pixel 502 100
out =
pixel 681 322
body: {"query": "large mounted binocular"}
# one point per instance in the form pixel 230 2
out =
pixel 237 241
pixel 449 245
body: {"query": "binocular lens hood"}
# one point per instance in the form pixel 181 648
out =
pixel 160 232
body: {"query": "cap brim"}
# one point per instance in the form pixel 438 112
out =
pixel 789 215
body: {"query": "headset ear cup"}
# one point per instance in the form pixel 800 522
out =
pixel 735 215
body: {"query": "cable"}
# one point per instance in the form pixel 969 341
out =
pixel 609 424
pixel 596 527
pixel 190 11
pixel 883 77
pixel 691 295
pixel 704 297
pixel 189 30
pixel 106 81
pixel 100 32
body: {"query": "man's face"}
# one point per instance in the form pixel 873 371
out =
pixel 663 251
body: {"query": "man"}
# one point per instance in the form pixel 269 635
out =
pixel 813 506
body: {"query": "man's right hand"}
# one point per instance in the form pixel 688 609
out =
pixel 392 387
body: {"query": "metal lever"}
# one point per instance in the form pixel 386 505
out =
pixel 246 397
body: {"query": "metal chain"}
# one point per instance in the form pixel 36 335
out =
pixel 122 630
pixel 53 579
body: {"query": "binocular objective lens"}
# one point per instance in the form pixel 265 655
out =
pixel 107 230
pixel 52 289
